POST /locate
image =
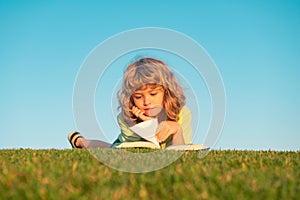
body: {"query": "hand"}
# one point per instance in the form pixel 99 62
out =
pixel 167 128
pixel 139 114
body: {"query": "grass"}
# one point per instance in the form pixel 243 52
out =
pixel 222 174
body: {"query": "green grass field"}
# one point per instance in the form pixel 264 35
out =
pixel 76 174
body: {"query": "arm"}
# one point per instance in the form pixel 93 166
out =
pixel 181 130
pixel 167 129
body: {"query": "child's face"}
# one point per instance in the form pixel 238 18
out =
pixel 149 99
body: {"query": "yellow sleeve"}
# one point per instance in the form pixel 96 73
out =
pixel 185 118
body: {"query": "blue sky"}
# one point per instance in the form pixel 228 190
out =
pixel 255 44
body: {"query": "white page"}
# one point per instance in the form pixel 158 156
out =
pixel 189 147
pixel 147 130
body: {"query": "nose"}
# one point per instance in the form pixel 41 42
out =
pixel 147 100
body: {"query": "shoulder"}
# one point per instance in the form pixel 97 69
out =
pixel 185 111
pixel 122 122
pixel 120 117
pixel 185 114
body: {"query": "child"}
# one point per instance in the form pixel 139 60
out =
pixel 149 90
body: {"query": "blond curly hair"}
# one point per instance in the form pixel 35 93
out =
pixel 150 71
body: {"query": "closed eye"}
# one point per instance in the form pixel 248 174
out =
pixel 137 96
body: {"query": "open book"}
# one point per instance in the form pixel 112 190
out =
pixel 147 130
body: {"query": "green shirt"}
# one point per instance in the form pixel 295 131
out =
pixel 185 117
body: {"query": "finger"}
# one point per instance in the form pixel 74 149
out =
pixel 144 117
pixel 140 114
pixel 162 135
pixel 135 111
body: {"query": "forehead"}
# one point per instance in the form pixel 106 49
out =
pixel 149 87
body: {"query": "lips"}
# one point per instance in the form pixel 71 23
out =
pixel 152 111
pixel 148 110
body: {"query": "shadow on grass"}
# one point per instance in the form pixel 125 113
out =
pixel 138 160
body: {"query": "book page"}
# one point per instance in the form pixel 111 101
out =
pixel 147 130
pixel 139 144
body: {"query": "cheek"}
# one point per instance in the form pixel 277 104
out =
pixel 138 103
pixel 160 99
